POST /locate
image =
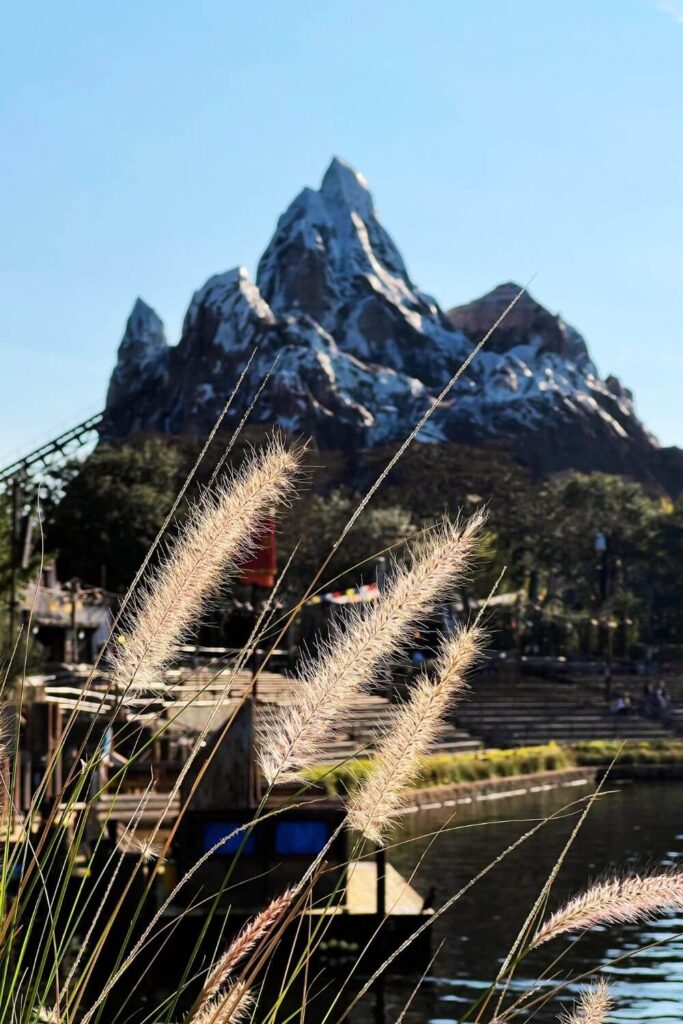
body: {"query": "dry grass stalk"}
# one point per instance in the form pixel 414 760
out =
pixel 359 649
pixel 592 1007
pixel 615 901
pixel 252 933
pixel 229 1008
pixel 216 537
pixel 5 782
pixel 415 727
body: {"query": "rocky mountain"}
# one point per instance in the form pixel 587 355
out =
pixel 353 353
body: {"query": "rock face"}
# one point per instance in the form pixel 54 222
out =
pixel 331 259
pixel 538 385
pixel 354 353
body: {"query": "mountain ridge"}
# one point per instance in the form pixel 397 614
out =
pixel 361 353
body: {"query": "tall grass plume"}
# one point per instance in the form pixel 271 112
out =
pixel 616 901
pixel 359 648
pixel 592 1007
pixel 414 729
pixel 218 535
pixel 245 942
pixel 229 1007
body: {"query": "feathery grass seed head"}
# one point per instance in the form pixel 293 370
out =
pixel 592 1007
pixel 252 933
pixel 414 728
pixel 357 650
pixel 616 901
pixel 216 537
pixel 231 1007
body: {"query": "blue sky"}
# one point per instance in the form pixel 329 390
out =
pixel 148 145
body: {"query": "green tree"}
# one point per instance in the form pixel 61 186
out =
pixel 543 530
pixel 314 524
pixel 112 508
pixel 568 583
pixel 573 509
pixel 663 588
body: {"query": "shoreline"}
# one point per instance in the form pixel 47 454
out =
pixel 662 772
pixel 455 793
pixel 664 764
pixel 451 794
pixel 467 793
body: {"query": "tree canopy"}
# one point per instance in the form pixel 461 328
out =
pixel 112 508
pixel 544 531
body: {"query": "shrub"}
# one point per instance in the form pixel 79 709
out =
pixel 444 769
pixel 603 752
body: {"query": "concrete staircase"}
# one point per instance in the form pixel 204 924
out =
pixel 527 711
pixel 674 684
pixel 355 735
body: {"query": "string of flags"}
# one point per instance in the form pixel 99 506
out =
pixel 368 592
pixel 353 595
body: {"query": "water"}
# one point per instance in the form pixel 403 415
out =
pixel 632 828
pixel 636 827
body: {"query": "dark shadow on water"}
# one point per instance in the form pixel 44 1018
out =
pixel 635 827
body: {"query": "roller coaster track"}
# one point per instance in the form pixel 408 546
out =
pixel 12 478
pixel 46 454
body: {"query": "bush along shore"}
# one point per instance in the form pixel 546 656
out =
pixel 638 761
pixel 452 769
pixel 633 752
pixel 659 759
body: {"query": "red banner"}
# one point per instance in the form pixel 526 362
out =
pixel 261 568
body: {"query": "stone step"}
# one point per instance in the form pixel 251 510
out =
pixel 533 710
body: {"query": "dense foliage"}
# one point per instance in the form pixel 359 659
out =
pixel 571 598
pixel 445 769
pixel 112 508
pixel 604 752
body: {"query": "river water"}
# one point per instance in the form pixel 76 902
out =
pixel 629 828
pixel 635 827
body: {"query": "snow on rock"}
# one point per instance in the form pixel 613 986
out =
pixel 227 307
pixel 144 341
pixel 142 361
pixel 331 258
pixel 356 352
pixel 314 388
pixel 537 366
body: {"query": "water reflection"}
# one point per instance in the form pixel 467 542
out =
pixel 636 826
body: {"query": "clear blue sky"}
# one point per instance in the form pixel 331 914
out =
pixel 147 145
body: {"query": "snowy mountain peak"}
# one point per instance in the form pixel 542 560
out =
pixel 230 297
pixel 144 331
pixel 325 244
pixel 344 187
pixel 142 356
pixel 331 259
pixel 527 323
pixel 362 353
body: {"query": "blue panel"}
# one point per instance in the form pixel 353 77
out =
pixel 300 837
pixel 214 831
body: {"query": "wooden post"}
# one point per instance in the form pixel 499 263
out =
pixel 59 728
pixel 75 591
pixel 381 863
